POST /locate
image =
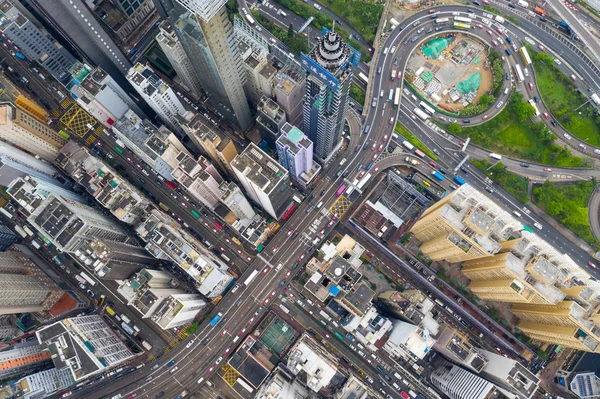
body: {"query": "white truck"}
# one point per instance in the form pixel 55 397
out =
pixel 499 19
pixel 523 3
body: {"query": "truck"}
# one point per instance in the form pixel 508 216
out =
pixel 523 3
pixel 499 19
pixel 539 11
pixel 120 143
pixel 20 230
pixel 183 394
pixel 408 145
pixel 459 180
pixel 438 175
pixel 36 244
pixel 595 98
pixel 127 328
pixel 393 74
pixel 216 319
pixel 20 56
pixel 146 345
pixel 411 161
pixel 298 200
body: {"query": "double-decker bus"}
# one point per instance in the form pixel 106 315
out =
pixel 7 213
pixel 525 56
pixel 363 77
pixel 461 25
pixel 397 97
pixel 340 190
pixel 251 277
pixel 119 150
pixel 364 181
pixel 87 278
pixel 426 108
pixel 421 114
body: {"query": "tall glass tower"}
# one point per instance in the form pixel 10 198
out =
pixel 206 35
pixel 329 75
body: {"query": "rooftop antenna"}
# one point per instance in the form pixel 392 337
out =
pixel 333 26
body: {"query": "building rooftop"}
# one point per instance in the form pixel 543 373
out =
pixel 585 385
pixel 268 71
pixel 259 168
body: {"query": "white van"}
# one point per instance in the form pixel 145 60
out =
pixel 236 339
pixel 537 225
pixel 506 90
pixel 200 380
pixel 319 205
pixel 517 214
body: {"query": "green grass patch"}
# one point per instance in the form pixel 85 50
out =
pixel 363 16
pixel 562 98
pixel 514 184
pixel 568 204
pixel 508 135
pixel 357 94
pixel 411 138
pixel 296 42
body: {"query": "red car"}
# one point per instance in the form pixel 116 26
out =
pixel 210 369
pixel 494 42
pixel 431 11
pixel 221 248
pixel 593 266
pixel 227 350
pixel 289 273
pixel 542 48
pixel 275 249
pixel 272 294
pixel 376 169
pixel 404 395
pixel 361 174
pixel 251 320
pixel 432 164
pixel 546 115
pixel 530 85
pixel 265 270
pixel 266 302
pixel 489 32
pixel 223 333
pixel 380 147
pixel 485 117
pixel 547 170
pixel 385 137
pixel 289 233
pixel 330 223
pixel 301 258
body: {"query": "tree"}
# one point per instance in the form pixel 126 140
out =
pixel 455 128
pixel 524 111
pixel 290 32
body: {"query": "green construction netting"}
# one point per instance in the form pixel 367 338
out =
pixel 470 84
pixel 434 47
pixel 427 76
pixel 476 61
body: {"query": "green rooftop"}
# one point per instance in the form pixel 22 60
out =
pixel 295 134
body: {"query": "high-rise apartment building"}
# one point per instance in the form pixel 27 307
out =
pixel 7 239
pixel 23 358
pixel 178 310
pixel 44 383
pixel 270 119
pixel 29 192
pixel 281 385
pixel 295 153
pixel 16 163
pixel 233 198
pixel 458 383
pixel 458 348
pixel 78 25
pixel 170 45
pixel 125 18
pixel 159 96
pixel 206 35
pixel 84 345
pixel 289 88
pixel 265 181
pixel 220 148
pixel 326 97
pixel 38 45
pixel 27 132
pixel 464 225
pixel 94 239
pixel 585 385
pixel 200 179
pixel 100 95
pixel 24 287
pixel 509 374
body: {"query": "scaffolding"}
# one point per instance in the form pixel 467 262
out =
pixel 401 198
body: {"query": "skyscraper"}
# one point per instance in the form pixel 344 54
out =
pixel 295 153
pixel 171 46
pixel 159 96
pixel 265 181
pixel 36 44
pixel 458 383
pixel 326 97
pixel 206 35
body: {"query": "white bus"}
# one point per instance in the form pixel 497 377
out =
pixel 463 19
pixel 364 181
pixel 442 21
pixel 88 279
pixel 397 97
pixel 249 18
pixel 325 315
pixel 421 114
pixel 408 145
pixel 349 190
pixel 363 77
pixel 285 310
pixel 225 257
pixel 20 230
pixel 426 108
pixel 495 156
pixel 251 277
pixel 518 73
pixel 537 111
pixel 7 213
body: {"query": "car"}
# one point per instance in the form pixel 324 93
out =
pixel 385 137
pixel 374 157
pixel 160 394
pixel 174 369
pixel 90 293
pixel 567 136
pixel 210 369
pixel 129 160
pixel 494 42
pixel 251 320
pixel 392 120
pixel 433 164
pixel 225 331
pixel 479 26
pixel 485 117
pixel 380 147
pixel 289 233
pixel 489 32
pixel 524 164
pixel 362 173
pixel 330 223
pixel 288 274
pixel 593 266
pixel 239 251
pixel 275 249
pixel 227 350
pixel 178 219
pixel 272 294
pixel 327 336
pixel 376 170
pixel 374 146
pixel 431 11
pixel 133 395
pixel 582 146
pixel 219 360
pixel 248 258
pixel 413 116
pixel 138 166
pixel 542 48
pixel 301 258
pixel 323 192
pixel 190 344
pixel 266 269
pixel 266 301
pixel 547 170
pixel 530 84
pixel 546 115
pixel 242 331
pixel 183 204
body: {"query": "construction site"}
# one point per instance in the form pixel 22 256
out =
pixel 451 71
